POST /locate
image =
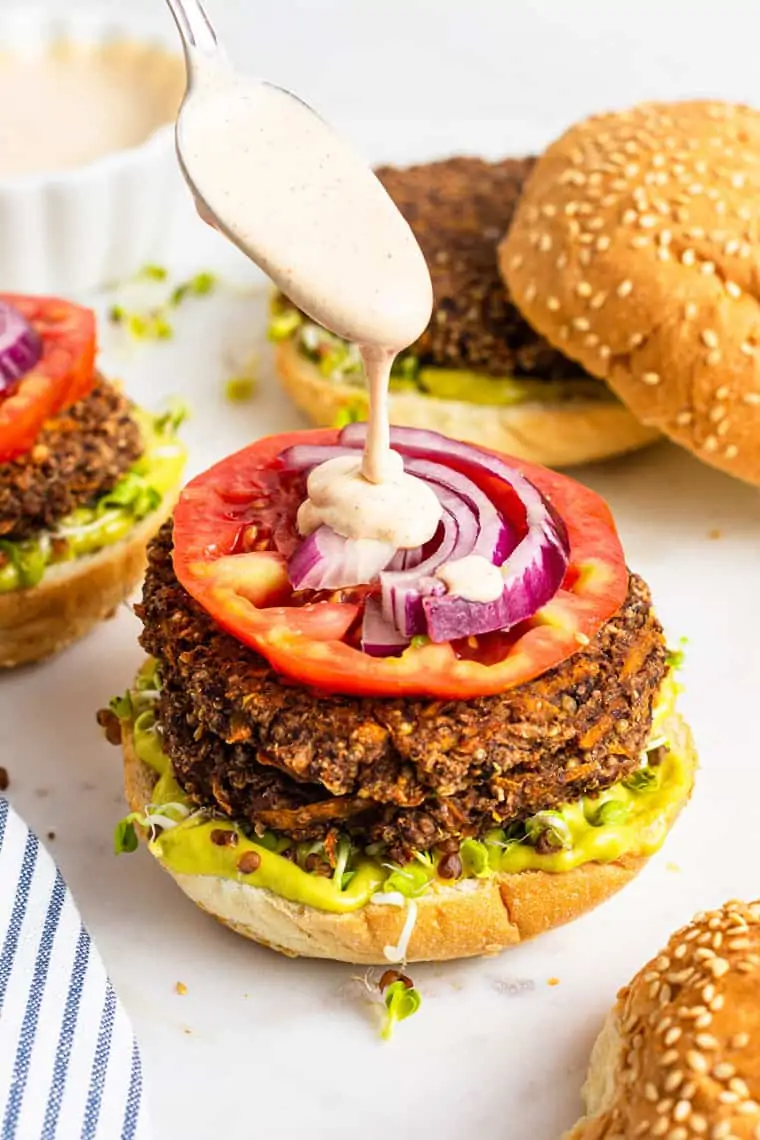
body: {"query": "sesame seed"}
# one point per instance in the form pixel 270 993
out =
pixel 709 338
pixel 597 300
pixel 583 289
pixel 733 289
pixel 679 1133
pixel 665 237
pixel 660 1127
pixel 731 247
pixel 604 351
pixel 748 1108
pixel 722 1131
pixel 691 309
pixel 731 452
pixel 516 261
pixel 673 1035
pixel 688 257
pixel 654 989
pixel 584 255
pixel 625 288
pixel 703 1021
pixel 739 1040
pixel 591 340
pixel 747 348
pixel 549 210
pixel 639 241
pixel 651 378
pixel 581 324
pixel 683 419
pixel 663 253
pixel 720 394
pixel 647 221
pixel 716 415
pixel 629 217
pixel 718 1001
pixel 608 200
pixel 530 292
pixel 564 332
pixel 665 1106
pixel 706 1041
pixel 704 954
pixel 723 1071
pixel 696 1061
pixel 713 357
pixel 697 1123
pixel 727 1097
pixel 635 340
pixel 711 443
pixel 673 1080
pixel 670 1057
pixel 552 304
pixel 737 1085
pixel 651 1093
pixel 719 966
pixel 545 243
pixel 682 1111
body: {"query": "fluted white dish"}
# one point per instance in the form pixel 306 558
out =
pixel 78 229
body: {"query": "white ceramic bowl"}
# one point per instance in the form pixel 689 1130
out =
pixel 76 230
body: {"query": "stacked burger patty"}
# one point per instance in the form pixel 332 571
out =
pixel 80 455
pixel 412 774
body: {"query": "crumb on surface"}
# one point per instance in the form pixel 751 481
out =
pixel 673 867
pixel 715 534
pixel 51 835
pixel 552 981
pixel 181 988
pixel 4 779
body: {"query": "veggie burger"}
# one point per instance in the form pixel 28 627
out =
pixel 480 370
pixel 338 756
pixel 85 479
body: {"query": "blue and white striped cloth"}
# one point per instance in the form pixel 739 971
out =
pixel 69 1063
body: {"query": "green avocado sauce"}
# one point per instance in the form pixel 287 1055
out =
pixel 86 530
pixel 630 818
pixel 339 361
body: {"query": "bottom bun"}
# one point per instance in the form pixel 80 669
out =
pixel 74 596
pixel 471 918
pixel 554 434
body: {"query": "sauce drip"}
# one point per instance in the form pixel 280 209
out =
pixel 313 215
pixel 73 103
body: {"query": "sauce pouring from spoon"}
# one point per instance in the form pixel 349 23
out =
pixel 273 177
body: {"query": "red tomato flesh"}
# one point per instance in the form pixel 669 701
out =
pixel 64 374
pixel 243 501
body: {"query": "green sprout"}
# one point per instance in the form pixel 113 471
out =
pixel 401 1001
pixel 125 837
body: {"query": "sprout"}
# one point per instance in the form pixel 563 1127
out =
pixel 283 324
pixel 612 812
pixel 401 1001
pixel 240 389
pixel 474 856
pixel 549 829
pixel 410 880
pixel 121 706
pixel 644 780
pixel 125 837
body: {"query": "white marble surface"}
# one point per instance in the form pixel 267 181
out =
pixel 261 1045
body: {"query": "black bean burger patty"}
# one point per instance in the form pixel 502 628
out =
pixel 459 211
pixel 410 772
pixel 78 456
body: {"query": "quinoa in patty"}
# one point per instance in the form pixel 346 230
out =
pixel 78 456
pixel 410 772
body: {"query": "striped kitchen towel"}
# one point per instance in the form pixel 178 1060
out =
pixel 69 1063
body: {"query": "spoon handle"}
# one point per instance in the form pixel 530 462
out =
pixel 194 26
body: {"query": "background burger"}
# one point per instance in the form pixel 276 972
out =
pixel 342 761
pixel 634 251
pixel 86 478
pixel 678 1055
pixel 480 371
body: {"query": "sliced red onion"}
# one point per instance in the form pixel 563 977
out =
pixel 380 638
pixel 403 591
pixel 532 575
pixel 495 538
pixel 20 348
pixel 328 561
pixel 304 456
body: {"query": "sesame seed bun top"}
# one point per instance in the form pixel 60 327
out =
pixel 680 1057
pixel 635 249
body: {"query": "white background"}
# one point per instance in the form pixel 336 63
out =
pixel 263 1046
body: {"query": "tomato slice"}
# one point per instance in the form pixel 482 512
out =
pixel 64 374
pixel 242 501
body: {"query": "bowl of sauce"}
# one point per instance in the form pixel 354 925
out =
pixel 88 181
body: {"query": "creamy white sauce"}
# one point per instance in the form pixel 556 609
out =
pixel 73 103
pixel 473 578
pixel 342 498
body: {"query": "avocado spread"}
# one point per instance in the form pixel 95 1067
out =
pixel 339 361
pixel 88 529
pixel 630 818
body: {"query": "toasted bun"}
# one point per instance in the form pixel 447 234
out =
pixel 634 251
pixel 683 1042
pixel 477 916
pixel 74 596
pixel 553 434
